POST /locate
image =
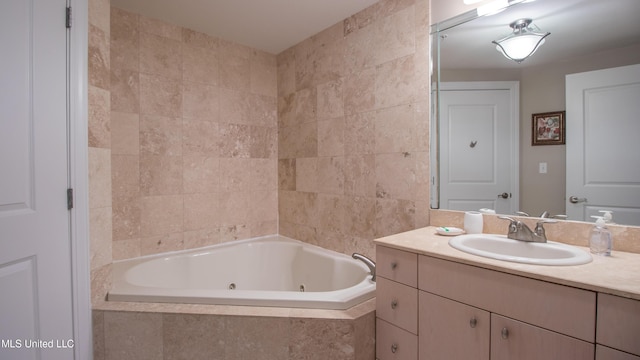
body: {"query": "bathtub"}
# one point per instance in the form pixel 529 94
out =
pixel 266 271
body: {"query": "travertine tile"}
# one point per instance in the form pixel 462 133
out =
pixel 193 337
pixel 395 176
pixel 161 215
pixel 201 211
pixel 395 36
pixel 331 137
pixel 235 72
pixel 360 217
pixel 236 174
pixel 200 138
pixel 161 243
pixel 160 96
pixel 395 129
pixel 359 92
pixel 259 338
pixel 132 335
pixel 100 236
pixel 306 174
pixel 287 174
pixel 234 208
pixel 99 13
pixel 200 101
pixel 331 215
pixel 201 174
pixel 98 58
pixel 360 175
pixel 200 65
pixel 264 174
pixel 99 178
pixel 394 216
pixel 234 140
pixel 263 142
pixel 125 40
pixel 263 79
pixel 160 56
pixel 262 206
pixel 160 135
pixel 160 28
pixel 126 249
pixel 125 137
pixel 322 339
pixel 125 90
pixel 331 175
pixel 330 99
pixel 395 82
pixel 99 117
pixel 160 175
pixel 359 137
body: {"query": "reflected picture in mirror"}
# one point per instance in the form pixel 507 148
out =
pixel 473 87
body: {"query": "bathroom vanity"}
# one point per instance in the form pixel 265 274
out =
pixel 436 302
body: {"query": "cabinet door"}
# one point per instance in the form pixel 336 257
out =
pixel 515 340
pixel 452 330
pixel 619 323
pixel 605 353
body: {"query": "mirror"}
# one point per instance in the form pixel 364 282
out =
pixel 585 35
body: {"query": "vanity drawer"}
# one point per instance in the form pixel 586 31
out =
pixel 398 304
pixel 397 265
pixel 395 343
pixel 572 313
pixel 619 323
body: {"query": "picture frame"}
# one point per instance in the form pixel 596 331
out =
pixel 548 128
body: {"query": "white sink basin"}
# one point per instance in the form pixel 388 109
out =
pixel 502 248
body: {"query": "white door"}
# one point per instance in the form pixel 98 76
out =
pixel 478 146
pixel 603 146
pixel 36 320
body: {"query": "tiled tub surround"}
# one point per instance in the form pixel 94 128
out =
pixel 266 271
pixel 140 331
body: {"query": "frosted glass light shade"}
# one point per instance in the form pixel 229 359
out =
pixel 522 43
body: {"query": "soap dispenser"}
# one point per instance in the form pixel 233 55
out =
pixel 600 241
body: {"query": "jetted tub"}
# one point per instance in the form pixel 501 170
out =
pixel 265 271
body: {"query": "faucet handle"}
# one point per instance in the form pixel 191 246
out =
pixel 513 223
pixel 539 230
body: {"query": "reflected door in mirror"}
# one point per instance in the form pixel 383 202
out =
pixel 476 156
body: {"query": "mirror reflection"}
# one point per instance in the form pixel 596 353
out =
pixel 499 142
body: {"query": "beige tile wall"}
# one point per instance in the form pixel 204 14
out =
pixel 353 110
pixel 194 138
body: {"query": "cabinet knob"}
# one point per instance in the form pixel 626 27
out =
pixel 394 265
pixel 473 322
pixel 505 333
pixel 394 304
pixel 394 348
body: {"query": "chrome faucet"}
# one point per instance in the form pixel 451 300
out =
pixel 520 231
pixel 370 264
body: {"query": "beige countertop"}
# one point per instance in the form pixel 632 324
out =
pixel 618 274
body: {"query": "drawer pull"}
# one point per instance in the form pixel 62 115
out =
pixel 394 348
pixel 394 265
pixel 394 304
pixel 473 322
pixel 505 333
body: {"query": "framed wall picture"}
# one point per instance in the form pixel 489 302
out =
pixel 548 128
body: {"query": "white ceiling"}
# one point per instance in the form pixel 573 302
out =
pixel 269 25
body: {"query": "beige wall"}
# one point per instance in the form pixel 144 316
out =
pixel 353 129
pixel 542 89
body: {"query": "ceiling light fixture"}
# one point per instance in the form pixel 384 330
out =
pixel 525 39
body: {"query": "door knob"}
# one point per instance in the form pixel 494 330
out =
pixel 504 195
pixel 575 199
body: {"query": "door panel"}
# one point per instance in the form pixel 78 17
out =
pixel 477 152
pixel 35 248
pixel 603 165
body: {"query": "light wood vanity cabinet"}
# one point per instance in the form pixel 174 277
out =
pixel 396 304
pixel 429 308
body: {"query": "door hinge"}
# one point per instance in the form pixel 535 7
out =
pixel 69 199
pixel 68 22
